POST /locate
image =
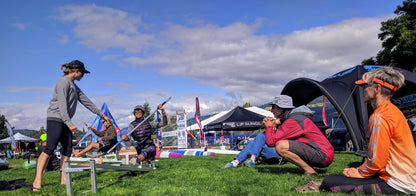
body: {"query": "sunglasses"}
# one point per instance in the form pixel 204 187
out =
pixel 364 85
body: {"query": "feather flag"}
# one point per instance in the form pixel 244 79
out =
pixel 159 131
pixel 198 121
pixel 9 129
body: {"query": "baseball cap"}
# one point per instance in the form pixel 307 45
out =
pixel 76 64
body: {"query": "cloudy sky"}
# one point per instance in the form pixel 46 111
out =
pixel 225 52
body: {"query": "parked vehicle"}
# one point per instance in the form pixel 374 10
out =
pixel 338 135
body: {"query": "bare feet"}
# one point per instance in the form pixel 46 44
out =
pixel 140 158
pixel 35 187
pixel 100 160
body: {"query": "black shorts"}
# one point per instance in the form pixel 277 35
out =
pixel 58 132
pixel 106 148
pixel 307 153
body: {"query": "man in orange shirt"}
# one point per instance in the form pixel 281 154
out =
pixel 391 164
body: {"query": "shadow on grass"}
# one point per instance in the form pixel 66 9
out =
pixel 283 170
pixel 127 174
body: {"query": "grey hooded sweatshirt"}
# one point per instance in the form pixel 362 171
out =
pixel 63 104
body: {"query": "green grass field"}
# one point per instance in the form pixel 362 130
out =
pixel 189 175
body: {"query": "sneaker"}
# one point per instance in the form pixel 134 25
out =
pixel 282 161
pixel 250 163
pixel 228 165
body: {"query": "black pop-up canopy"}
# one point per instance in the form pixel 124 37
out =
pixel 236 119
pixel 348 99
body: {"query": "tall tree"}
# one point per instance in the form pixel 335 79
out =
pixel 147 111
pixel 247 105
pixel 3 129
pixel 399 38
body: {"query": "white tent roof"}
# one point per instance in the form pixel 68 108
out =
pixel 216 116
pixel 18 137
pixel 260 111
pixel 207 121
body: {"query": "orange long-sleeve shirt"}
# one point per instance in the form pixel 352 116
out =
pixel 392 152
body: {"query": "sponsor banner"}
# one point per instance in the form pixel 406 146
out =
pixel 182 134
pixel 170 134
pixel 230 125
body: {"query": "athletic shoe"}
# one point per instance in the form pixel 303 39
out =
pixel 228 165
pixel 250 163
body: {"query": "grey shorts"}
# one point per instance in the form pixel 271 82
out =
pixel 307 153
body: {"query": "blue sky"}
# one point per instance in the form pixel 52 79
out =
pixel 226 53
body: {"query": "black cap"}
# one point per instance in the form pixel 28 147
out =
pixel 75 64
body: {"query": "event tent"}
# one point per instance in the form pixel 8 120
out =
pixel 348 99
pixel 207 121
pixel 18 137
pixel 260 111
pixel 237 119
pixel 255 109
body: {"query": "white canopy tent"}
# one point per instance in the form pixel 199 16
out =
pixel 18 137
pixel 260 111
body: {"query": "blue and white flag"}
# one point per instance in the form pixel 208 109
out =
pixel 9 129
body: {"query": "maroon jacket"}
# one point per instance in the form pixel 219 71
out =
pixel 299 127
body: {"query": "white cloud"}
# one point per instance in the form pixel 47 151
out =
pixel 121 85
pixel 29 89
pixel 100 28
pixel 25 115
pixel 63 38
pixel 19 26
pixel 235 59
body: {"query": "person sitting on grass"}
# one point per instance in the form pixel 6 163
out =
pixel 298 140
pixel 107 136
pixel 253 149
pixel 390 167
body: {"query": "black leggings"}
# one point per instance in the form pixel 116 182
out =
pixel 58 132
pixel 343 184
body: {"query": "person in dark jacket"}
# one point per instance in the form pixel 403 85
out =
pixel 108 137
pixel 142 135
pixel 297 139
